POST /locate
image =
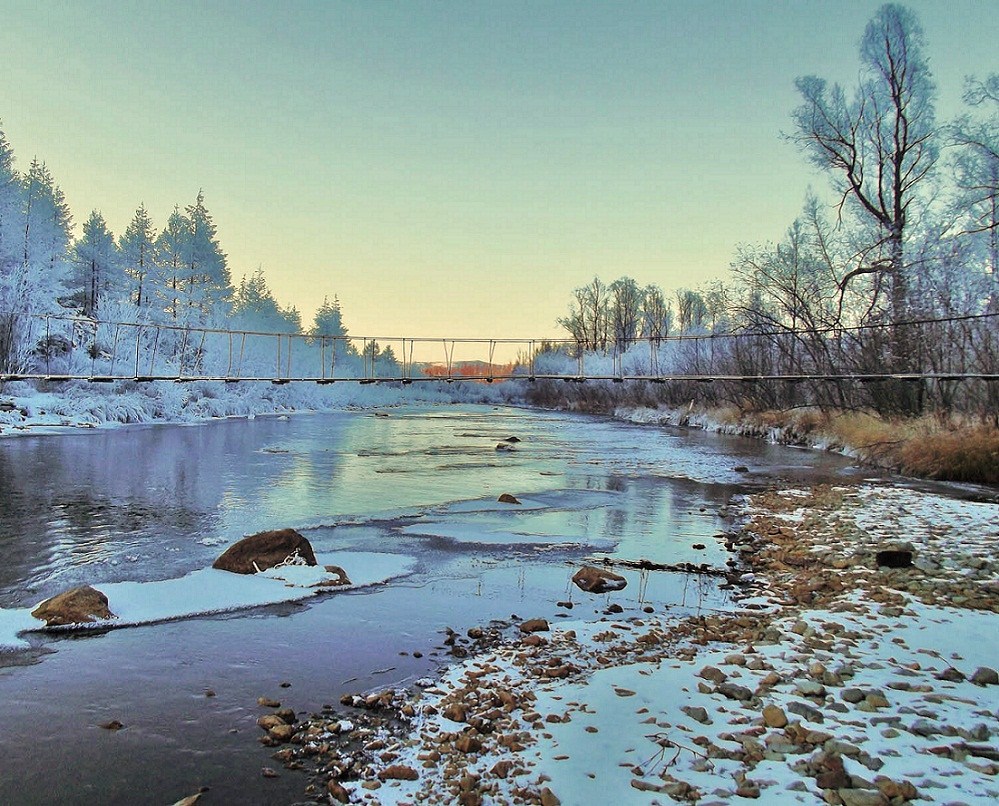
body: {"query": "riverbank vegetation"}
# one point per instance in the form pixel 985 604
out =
pixel 876 316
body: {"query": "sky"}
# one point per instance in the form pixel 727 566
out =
pixel 447 168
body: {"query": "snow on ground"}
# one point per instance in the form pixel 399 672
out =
pixel 868 686
pixel 25 409
pixel 708 420
pixel 209 591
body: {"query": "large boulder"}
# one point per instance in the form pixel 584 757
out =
pixel 265 550
pixel 77 606
pixel 597 580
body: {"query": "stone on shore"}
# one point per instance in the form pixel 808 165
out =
pixel 337 791
pixel 81 605
pixel 895 554
pixel 984 676
pixel 341 579
pixel 774 717
pixel 265 550
pixel 398 772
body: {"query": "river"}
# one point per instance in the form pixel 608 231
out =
pixel 152 503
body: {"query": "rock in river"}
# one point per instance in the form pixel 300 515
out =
pixel 77 606
pixel 534 625
pixel 597 580
pixel 265 550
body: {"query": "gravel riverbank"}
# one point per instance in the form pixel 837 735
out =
pixel 837 679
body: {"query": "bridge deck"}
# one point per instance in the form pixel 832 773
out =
pixel 408 379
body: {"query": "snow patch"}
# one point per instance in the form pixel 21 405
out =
pixel 210 591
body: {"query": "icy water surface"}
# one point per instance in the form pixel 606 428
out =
pixel 147 505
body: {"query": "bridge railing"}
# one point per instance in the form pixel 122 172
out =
pixel 65 347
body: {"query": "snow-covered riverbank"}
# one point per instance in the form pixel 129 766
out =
pixel 837 680
pixel 25 409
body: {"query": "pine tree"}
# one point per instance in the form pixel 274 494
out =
pixel 96 277
pixel 328 320
pixel 10 209
pixel 170 248
pixel 206 285
pixel 47 222
pixel 137 248
pixel 254 307
pixel 11 227
pixel 35 239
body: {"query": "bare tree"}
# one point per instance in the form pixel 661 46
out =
pixel 625 311
pixel 977 168
pixel 691 310
pixel 657 314
pixel 588 319
pixel 879 146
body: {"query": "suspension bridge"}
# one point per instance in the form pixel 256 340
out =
pixel 72 348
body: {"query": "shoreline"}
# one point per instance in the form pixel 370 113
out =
pixel 26 411
pixel 836 680
pixel 924 448
pixel 927 448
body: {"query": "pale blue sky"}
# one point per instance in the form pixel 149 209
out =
pixel 446 168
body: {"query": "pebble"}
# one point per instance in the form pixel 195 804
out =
pixel 774 716
pixel 809 688
pixel 714 674
pixel 985 676
pixel 876 699
pixel 697 713
pixel 734 691
pixel 806 711
pixel 862 797
pixel 923 727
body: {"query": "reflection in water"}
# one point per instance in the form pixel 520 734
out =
pixel 156 502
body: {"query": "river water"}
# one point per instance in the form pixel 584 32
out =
pixel 145 504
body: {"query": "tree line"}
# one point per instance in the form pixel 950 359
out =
pixel 898 274
pixel 178 277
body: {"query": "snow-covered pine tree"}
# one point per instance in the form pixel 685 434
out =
pixel 137 248
pixel 96 278
pixel 11 227
pixel 47 222
pixel 35 261
pixel 329 331
pixel 255 308
pixel 328 320
pixel 206 287
pixel 170 249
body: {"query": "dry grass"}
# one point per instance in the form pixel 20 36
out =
pixel 927 447
pixel 934 447
pixel 962 454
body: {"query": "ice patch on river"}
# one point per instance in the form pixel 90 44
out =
pixel 484 532
pixel 209 591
